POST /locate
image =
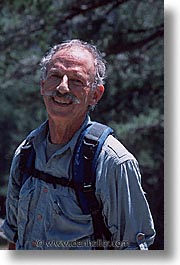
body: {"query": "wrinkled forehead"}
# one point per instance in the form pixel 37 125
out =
pixel 74 56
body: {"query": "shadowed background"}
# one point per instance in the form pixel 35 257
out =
pixel 130 35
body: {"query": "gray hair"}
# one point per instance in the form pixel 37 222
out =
pixel 99 62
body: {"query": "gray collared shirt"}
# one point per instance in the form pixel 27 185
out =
pixel 45 217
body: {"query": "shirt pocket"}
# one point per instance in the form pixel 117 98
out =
pixel 68 223
pixel 66 204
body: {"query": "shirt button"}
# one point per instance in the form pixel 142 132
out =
pixel 33 243
pixel 45 190
pixel 39 217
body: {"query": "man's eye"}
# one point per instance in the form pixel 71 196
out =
pixel 55 77
pixel 75 82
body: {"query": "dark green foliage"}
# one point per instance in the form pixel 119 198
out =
pixel 130 35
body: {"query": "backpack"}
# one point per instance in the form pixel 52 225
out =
pixel 86 152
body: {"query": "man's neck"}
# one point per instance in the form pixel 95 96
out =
pixel 62 132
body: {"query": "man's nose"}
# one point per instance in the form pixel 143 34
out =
pixel 63 86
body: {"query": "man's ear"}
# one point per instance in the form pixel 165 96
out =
pixel 97 94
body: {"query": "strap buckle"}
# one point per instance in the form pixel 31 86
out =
pixel 88 187
pixel 89 146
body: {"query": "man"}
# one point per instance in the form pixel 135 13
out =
pixel 45 216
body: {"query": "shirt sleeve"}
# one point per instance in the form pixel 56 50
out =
pixel 9 226
pixel 125 207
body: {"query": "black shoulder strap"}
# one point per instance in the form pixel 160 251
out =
pixel 86 155
pixel 88 150
pixel 27 168
pixel 27 161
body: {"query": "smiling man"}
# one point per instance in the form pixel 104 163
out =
pixel 70 76
pixel 73 185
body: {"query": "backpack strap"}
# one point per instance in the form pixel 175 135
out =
pixel 27 168
pixel 27 161
pixel 85 159
pixel 88 149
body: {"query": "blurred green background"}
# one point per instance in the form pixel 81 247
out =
pixel 130 35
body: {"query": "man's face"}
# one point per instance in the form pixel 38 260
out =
pixel 67 88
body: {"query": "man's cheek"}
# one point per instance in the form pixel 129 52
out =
pixel 50 84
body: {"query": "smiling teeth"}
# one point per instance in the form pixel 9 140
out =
pixel 61 101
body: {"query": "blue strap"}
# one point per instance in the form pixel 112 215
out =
pixel 101 141
pixel 85 162
pixel 27 161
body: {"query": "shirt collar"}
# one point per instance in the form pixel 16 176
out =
pixel 71 144
pixel 39 135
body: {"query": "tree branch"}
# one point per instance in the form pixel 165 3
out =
pixel 120 46
pixel 86 8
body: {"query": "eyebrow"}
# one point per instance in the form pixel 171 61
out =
pixel 73 72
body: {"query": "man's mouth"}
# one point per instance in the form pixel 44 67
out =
pixel 66 99
pixel 62 101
